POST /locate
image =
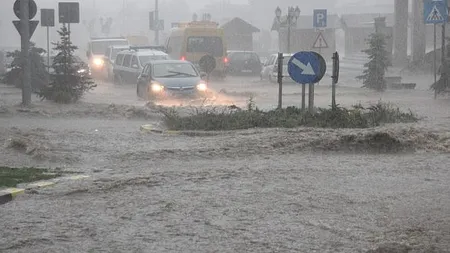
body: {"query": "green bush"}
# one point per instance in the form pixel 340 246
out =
pixel 39 75
pixel 232 118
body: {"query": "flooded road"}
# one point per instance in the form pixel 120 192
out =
pixel 258 190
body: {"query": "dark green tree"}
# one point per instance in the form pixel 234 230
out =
pixel 68 82
pixel 39 74
pixel 373 75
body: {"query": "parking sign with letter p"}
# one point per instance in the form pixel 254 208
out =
pixel 320 18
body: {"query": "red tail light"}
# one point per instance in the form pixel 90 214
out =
pixel 183 58
pixel 225 60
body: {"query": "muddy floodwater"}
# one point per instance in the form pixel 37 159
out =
pixel 257 190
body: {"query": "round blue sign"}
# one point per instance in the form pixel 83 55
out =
pixel 306 67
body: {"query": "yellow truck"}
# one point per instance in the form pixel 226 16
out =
pixel 191 41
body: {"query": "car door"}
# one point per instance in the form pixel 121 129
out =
pixel 126 69
pixel 117 69
pixel 135 70
pixel 143 79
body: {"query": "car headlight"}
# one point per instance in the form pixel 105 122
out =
pixel 156 87
pixel 81 71
pixel 202 86
pixel 98 62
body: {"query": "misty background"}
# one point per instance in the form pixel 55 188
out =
pixel 131 17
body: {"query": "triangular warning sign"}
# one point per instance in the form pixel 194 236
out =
pixel 320 42
pixel 435 15
pixel 33 25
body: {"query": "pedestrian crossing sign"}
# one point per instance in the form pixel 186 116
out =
pixel 435 15
pixel 435 11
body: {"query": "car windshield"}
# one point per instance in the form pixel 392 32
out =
pixel 99 47
pixel 174 70
pixel 148 58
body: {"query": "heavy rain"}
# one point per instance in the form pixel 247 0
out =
pixel 224 126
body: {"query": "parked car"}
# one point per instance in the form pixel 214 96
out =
pixel 130 63
pixel 240 62
pixel 270 68
pixel 170 78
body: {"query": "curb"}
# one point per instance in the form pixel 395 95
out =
pixel 10 194
pixel 151 128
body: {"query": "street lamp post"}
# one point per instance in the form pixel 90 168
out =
pixel 291 20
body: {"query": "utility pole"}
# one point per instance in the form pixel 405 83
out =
pixel 444 72
pixel 25 45
pixel 289 31
pixel 157 22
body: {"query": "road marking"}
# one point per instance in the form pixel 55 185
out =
pixel 40 184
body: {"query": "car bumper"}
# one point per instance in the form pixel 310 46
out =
pixel 176 93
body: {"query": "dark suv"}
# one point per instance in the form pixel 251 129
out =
pixel 241 62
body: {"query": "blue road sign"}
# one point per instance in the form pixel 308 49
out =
pixel 435 11
pixel 306 67
pixel 320 18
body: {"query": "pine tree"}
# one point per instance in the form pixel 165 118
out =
pixel 67 84
pixel 373 75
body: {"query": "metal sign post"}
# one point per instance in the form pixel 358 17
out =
pixel 157 22
pixel 435 59
pixel 444 72
pixel 303 97
pixel 320 20
pixel 48 20
pixel 280 80
pixel 25 10
pixel 25 44
pixel 335 79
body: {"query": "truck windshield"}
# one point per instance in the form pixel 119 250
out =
pixel 205 44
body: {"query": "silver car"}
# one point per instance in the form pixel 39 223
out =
pixel 270 68
pixel 171 78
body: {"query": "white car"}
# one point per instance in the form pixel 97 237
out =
pixel 130 63
pixel 270 68
pixel 110 57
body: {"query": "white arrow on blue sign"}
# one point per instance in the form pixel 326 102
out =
pixel 320 18
pixel 306 67
pixel 435 11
